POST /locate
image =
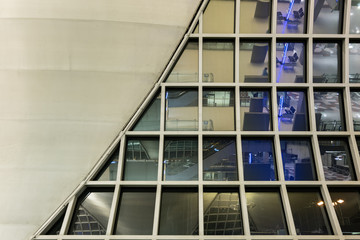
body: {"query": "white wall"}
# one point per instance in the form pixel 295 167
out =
pixel 72 72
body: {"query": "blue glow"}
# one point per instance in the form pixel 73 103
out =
pixel 166 95
pixel 113 162
pixel 285 52
pixel 216 150
pixel 250 158
pixel 290 9
pixel 281 105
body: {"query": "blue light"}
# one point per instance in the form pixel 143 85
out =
pixel 216 150
pixel 113 162
pixel 166 95
pixel 290 9
pixel 285 52
pixel 281 105
pixel 250 158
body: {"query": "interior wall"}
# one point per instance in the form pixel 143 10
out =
pixel 72 73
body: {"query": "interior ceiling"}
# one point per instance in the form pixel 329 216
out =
pixel 72 72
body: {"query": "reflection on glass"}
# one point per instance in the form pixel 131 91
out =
pixel 355 17
pixel 346 202
pixel 187 66
pixel 258 159
pixel 179 211
pixel 309 212
pixel 219 16
pixel 336 159
pixel 355 106
pixel 255 16
pixel 136 211
pixel 254 61
pixel 91 213
pixel 329 111
pixel 141 159
pixel 218 61
pixel 255 110
pixel 219 154
pixel 328 16
pixel 180 159
pixel 150 119
pixel 218 110
pixel 354 59
pixel 266 215
pixel 181 110
pixel 222 212
pixel 291 16
pixel 109 171
pixel 298 161
pixel 56 227
pixel 290 62
pixel 326 63
pixel 292 111
pixel 358 144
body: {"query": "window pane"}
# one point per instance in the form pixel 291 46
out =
pixel 346 202
pixel 218 61
pixel 354 58
pixel 91 213
pixel 292 111
pixel 358 144
pixel 187 66
pixel 309 212
pixel 266 215
pixel 218 110
pixel 329 111
pixel 258 159
pixel 181 159
pixel 336 159
pixel 355 105
pixel 255 16
pixel 297 159
pixel 220 162
pixel 355 17
pixel 290 62
pixel 219 16
pixel 328 16
pixel 179 211
pixel 291 16
pixel 181 110
pixel 255 110
pixel 136 211
pixel 222 213
pixel 109 171
pixel 141 159
pixel 326 63
pixel 150 119
pixel 254 61
pixel 56 226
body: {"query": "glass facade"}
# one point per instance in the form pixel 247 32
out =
pixel 253 131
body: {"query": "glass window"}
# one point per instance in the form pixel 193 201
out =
pixel 336 159
pixel 179 211
pixel 258 159
pixel 292 111
pixel 329 111
pixel 291 16
pixel 218 110
pixel 141 159
pixel 346 202
pixel 354 59
pixel 136 211
pixel 222 212
pixel 290 62
pixel 326 62
pixel 255 110
pixel 254 61
pixel 150 119
pixel 218 61
pixel 355 105
pixel 355 17
pixel 298 161
pixel 266 214
pixel 180 159
pixel 255 16
pixel 328 16
pixel 186 68
pixel 55 228
pixel 92 211
pixel 358 143
pixel 219 154
pixel 219 16
pixel 109 171
pixel 181 110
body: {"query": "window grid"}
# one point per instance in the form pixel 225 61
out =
pixel 345 87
